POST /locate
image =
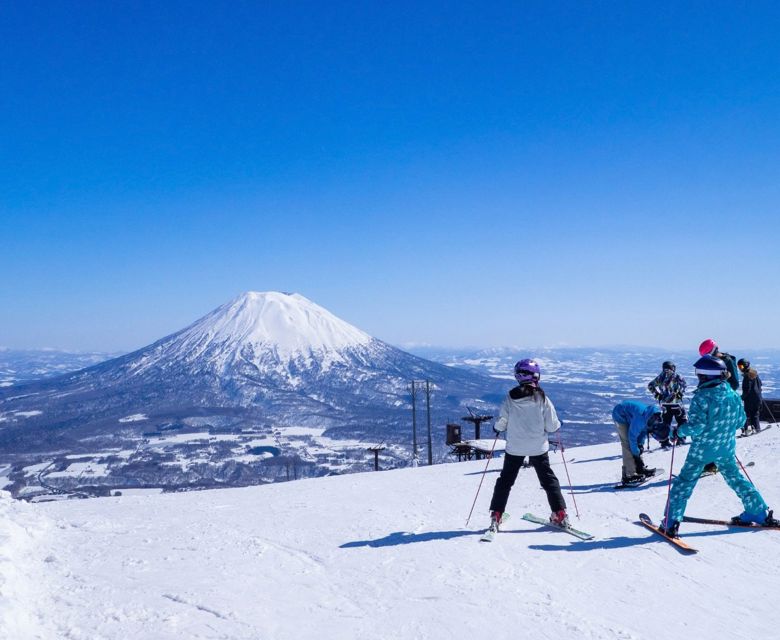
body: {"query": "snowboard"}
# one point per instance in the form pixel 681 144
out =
pixel 621 486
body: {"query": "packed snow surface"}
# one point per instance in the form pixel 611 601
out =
pixel 387 555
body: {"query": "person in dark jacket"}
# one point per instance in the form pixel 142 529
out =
pixel 668 387
pixel 710 348
pixel 751 396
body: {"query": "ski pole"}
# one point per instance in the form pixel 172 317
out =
pixel 769 411
pixel 744 470
pixel 571 489
pixel 669 488
pixel 482 478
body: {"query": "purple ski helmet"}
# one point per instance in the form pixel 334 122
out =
pixel 527 371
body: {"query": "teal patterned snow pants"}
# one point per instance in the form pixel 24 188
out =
pixel 691 472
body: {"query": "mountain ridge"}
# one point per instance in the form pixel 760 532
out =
pixel 261 361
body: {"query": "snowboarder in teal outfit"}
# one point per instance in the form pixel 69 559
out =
pixel 715 416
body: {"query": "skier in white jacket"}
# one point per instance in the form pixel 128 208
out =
pixel 527 416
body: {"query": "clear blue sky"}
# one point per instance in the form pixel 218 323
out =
pixel 453 173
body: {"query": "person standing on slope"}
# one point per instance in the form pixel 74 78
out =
pixel 710 348
pixel 633 421
pixel 714 418
pixel 751 396
pixel 527 416
pixel 668 387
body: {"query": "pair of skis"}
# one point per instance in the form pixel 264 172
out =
pixel 490 534
pixel 645 520
pixel 754 433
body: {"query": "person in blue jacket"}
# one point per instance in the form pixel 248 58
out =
pixel 634 420
pixel 715 416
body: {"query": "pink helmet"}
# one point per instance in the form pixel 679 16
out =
pixel 708 347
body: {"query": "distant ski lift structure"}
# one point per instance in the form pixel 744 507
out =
pixel 375 450
pixel 477 420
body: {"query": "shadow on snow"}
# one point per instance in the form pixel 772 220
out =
pixel 404 537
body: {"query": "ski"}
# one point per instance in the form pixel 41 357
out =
pixel 645 521
pixel 728 523
pixel 582 535
pixel 704 474
pixel 647 479
pixel 755 433
pixel 490 534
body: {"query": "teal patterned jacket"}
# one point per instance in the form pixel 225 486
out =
pixel 715 416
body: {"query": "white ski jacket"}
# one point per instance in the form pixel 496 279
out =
pixel 527 421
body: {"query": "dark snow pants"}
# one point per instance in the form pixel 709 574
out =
pixel 753 421
pixel 752 411
pixel 546 475
pixel 676 411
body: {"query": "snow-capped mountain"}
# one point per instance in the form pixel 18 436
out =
pixel 271 353
pixel 270 334
pixel 261 363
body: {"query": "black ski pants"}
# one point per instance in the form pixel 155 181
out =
pixel 546 475
pixel 676 411
pixel 752 419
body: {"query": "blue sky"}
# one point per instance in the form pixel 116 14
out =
pixel 518 173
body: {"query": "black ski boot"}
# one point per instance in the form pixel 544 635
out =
pixel 671 530
pixel 630 481
pixel 641 469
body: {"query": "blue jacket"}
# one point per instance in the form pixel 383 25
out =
pixel 715 416
pixel 635 414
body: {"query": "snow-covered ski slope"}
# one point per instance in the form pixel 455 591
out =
pixel 386 555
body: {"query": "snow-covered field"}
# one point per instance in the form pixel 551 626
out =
pixel 386 555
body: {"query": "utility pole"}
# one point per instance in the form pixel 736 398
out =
pixel 413 389
pixel 428 408
pixel 414 424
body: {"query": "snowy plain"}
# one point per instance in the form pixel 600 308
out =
pixel 387 555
